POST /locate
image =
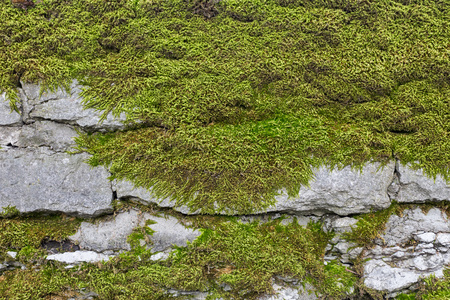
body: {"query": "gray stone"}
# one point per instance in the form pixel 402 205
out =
pixel 402 229
pixel 355 252
pixel 427 237
pixel 9 136
pixel 79 257
pixel 8 117
pixel 13 254
pixel 343 247
pixel 415 186
pixel 290 293
pixel 65 107
pixel 41 180
pixel 111 233
pixel 380 276
pixel 343 192
pixel 159 256
pixel 443 238
pixel 126 190
pixel 58 137
pixel 429 262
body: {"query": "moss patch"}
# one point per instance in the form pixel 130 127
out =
pixel 237 99
pixel 244 256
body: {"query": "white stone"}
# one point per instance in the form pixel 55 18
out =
pixel 8 117
pixel 443 238
pixel 79 257
pixel 380 276
pixel 427 237
pixel 13 254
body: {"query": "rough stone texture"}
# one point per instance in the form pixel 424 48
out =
pixel 342 192
pixel 64 107
pixel 393 258
pixel 402 229
pixel 40 180
pixel 126 190
pixel 415 186
pixel 9 136
pixel 79 257
pixel 112 234
pixel 289 293
pixel 6 116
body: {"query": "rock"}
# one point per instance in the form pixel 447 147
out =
pixel 427 237
pixel 58 137
pixel 126 190
pixel 342 192
pixel 9 136
pixel 8 117
pixel 40 180
pixel 13 254
pixel 381 277
pixel 402 229
pixel 443 239
pixel 79 257
pixel 112 233
pixel 65 107
pixel 159 256
pixel 289 293
pixel 415 186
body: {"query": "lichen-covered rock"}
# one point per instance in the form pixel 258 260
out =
pixel 415 186
pixel 112 232
pixel 8 117
pixel 40 180
pixel 64 107
pixel 343 192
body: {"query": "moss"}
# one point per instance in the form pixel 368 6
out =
pixel 244 256
pixel 30 231
pixel 237 99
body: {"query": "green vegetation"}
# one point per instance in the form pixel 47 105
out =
pixel 244 256
pixel 231 101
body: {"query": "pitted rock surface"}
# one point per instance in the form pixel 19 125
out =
pixel 112 233
pixel 40 180
pixel 415 186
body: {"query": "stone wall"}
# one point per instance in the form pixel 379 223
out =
pixel 38 175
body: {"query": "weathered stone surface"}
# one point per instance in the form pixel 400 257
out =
pixel 382 277
pixel 40 180
pixel 9 136
pixel 443 239
pixel 126 190
pixel 79 257
pixel 402 229
pixel 289 293
pixel 66 107
pixel 343 192
pixel 112 234
pixel 8 117
pixel 415 186
pixel 58 137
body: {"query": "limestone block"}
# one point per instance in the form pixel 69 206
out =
pixel 290 293
pixel 40 180
pixel 380 276
pixel 112 233
pixel 8 117
pixel 415 186
pixel 65 107
pixel 58 137
pixel 9 136
pixel 343 192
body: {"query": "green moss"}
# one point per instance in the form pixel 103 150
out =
pixel 235 100
pixel 30 231
pixel 244 256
